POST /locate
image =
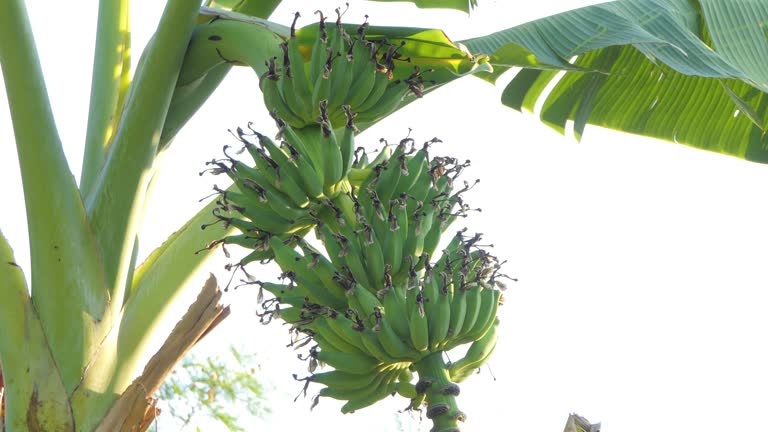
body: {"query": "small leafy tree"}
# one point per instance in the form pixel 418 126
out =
pixel 214 387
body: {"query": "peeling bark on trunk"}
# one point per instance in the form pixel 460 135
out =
pixel 135 410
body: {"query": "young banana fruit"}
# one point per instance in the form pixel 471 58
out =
pixel 375 297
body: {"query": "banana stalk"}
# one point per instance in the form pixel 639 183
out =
pixel 440 393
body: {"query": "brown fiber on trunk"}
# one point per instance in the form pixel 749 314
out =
pixel 135 410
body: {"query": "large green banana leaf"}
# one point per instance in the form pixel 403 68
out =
pixel 462 5
pixel 692 72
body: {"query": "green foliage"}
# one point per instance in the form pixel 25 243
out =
pixel 689 72
pixel 462 5
pixel 221 389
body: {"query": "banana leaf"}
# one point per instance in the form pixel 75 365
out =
pixel 462 5
pixel 256 8
pixel 694 73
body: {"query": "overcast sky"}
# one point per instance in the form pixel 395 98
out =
pixel 641 301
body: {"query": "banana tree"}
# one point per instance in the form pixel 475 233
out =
pixel 75 351
pixel 75 343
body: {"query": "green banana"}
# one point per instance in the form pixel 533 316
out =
pixel 392 343
pixel 387 182
pixel 288 89
pixel 458 312
pixel 394 307
pixel 346 328
pixel 319 52
pixel 330 340
pixel 293 296
pixel 440 316
pixel 378 88
pixel 287 172
pixel 419 191
pixel 363 301
pixel 294 195
pixel 348 362
pixel 309 172
pixel 321 90
pixel 378 393
pixel 266 220
pixel 291 261
pixel 244 240
pixel 321 266
pixel 406 390
pixel 341 77
pixel 374 256
pixel 477 354
pixel 253 181
pixel 352 255
pixel 416 164
pixel 274 98
pixel 297 72
pixel 331 150
pixel 255 256
pixel 373 346
pixel 398 236
pixel 384 155
pixel 342 380
pixel 389 101
pixel 290 314
pixel 490 300
pixel 260 213
pixel 333 248
pixel 418 326
pixel 473 312
pixel 351 251
pixel 347 143
pixel 364 70
pixel 361 397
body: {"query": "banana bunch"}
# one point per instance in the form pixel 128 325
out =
pixel 373 302
pixel 282 192
pixel 340 70
pixel 271 197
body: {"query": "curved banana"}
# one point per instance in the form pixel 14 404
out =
pixel 331 150
pixel 364 66
pixel 406 390
pixel 342 380
pixel 440 317
pixel 321 326
pixel 419 328
pixel 295 70
pixel 384 389
pixel 393 300
pixel 476 355
pixel 489 305
pixel 348 362
pixel 391 342
pixel 286 171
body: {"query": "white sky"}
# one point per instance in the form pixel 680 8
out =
pixel 641 301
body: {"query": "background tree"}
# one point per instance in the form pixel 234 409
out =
pixel 220 388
